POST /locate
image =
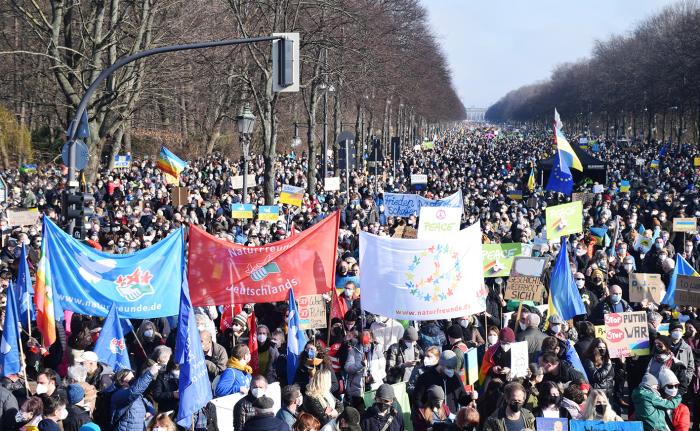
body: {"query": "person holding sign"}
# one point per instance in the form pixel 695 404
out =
pixel 496 362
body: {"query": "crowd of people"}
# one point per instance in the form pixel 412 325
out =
pixel 348 373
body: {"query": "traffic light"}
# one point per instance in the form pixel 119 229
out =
pixel 76 206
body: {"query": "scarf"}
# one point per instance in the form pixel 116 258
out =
pixel 237 365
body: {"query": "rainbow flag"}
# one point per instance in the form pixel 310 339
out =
pixel 170 163
pixel 43 299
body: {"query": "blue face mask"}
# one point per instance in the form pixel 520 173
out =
pixel 615 298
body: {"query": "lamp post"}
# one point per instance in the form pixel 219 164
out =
pixel 246 124
pixel 296 140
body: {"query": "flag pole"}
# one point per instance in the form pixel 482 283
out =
pixel 136 336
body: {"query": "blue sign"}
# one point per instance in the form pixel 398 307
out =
pixel 603 426
pixel 87 281
pixel 552 424
pixel 404 205
pixel 122 161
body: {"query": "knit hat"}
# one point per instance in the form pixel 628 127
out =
pixel 435 392
pixel 263 404
pixel 649 381
pixel 90 426
pixel 385 392
pixel 411 334
pixel 674 325
pixel 506 335
pixel 75 393
pixel 448 359
pixel 352 418
pixel 454 331
pixel 555 320
pixel 241 318
pixel 667 377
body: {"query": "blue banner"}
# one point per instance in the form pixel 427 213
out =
pixel 604 426
pixel 141 284
pixel 405 205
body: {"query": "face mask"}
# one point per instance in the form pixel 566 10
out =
pixel 160 429
pixel 311 353
pixel 601 408
pixel 41 389
pixel 236 328
pixel 580 283
pixel 464 323
pixel 148 333
pixel 429 362
pixel 615 298
pixel 628 268
pixel 258 392
pixel 449 372
pixel 676 335
pixel 348 293
pixel 556 328
pixel 514 407
pixel 580 252
pixel 602 350
pixel 408 343
pixel 63 415
pixel 671 392
pixel 493 339
pixel 663 357
pixel 262 338
pixel 522 325
pixel 382 407
pixel 505 347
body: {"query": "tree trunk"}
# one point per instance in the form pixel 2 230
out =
pixel 311 143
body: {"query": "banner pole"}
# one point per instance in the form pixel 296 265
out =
pixel 137 339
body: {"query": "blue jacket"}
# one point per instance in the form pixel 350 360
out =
pixel 129 407
pixel 231 382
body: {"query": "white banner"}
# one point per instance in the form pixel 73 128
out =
pixel 424 279
pixel 404 205
pixel 436 222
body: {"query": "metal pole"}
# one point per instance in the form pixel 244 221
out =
pixel 246 149
pixel 347 167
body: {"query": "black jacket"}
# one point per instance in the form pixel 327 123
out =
pixel 566 374
pixel 265 423
pixel 77 417
pixel 163 389
pixel 372 421
pixel 455 395
pixel 600 378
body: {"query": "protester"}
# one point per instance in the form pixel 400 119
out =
pixel 402 357
pixel 649 406
pixel 53 413
pixel 435 410
pixel 128 405
pixel 382 415
pixel 77 414
pixel 244 409
pixel 319 401
pixel 598 408
pixel 264 419
pixel 512 415
pixel 292 400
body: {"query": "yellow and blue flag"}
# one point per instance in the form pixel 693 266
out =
pixel 531 180
pixel 624 186
pixel 564 299
pixel 682 268
pixel 567 156
pixel 654 164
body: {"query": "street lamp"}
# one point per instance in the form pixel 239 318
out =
pixel 296 140
pixel 246 124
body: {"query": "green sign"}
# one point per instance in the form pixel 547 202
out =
pixel 565 219
pixel 498 258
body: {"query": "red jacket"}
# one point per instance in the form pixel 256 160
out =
pixel 681 418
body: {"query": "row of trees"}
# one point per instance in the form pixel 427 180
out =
pixel 387 74
pixel 645 84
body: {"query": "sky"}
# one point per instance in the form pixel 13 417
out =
pixel 494 46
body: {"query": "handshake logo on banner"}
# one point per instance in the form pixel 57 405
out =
pixel 135 286
pixel 262 273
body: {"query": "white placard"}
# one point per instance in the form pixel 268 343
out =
pixel 438 222
pixel 518 359
pixel 237 181
pixel 418 179
pixel 331 184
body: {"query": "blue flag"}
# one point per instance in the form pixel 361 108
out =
pixel 296 339
pixel 682 268
pixel 111 346
pixel 559 181
pixel 87 281
pixel 663 150
pixel 24 291
pixel 10 359
pixel 641 229
pixel 562 287
pixel 195 389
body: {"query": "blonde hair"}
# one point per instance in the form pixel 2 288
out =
pixel 320 383
pixel 589 412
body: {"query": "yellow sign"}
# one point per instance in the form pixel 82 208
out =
pixel 291 195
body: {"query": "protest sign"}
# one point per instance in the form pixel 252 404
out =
pixel 687 290
pixel 685 224
pixel 428 145
pixel 419 179
pixel 438 221
pixel 564 219
pixel 642 244
pixel 552 424
pixel 498 258
pixel 291 195
pixel 471 359
pixel 646 286
pixel 598 188
pixel 585 197
pixel 179 196
pixel 237 181
pixel 522 288
pixel 28 217
pixel 406 232
pixel 269 213
pixel 696 161
pixel 605 426
pixel 121 162
pixel 518 359
pixel 225 405
pixel 312 312
pixel 405 205
pixel 425 278
pixel 528 266
pixel 331 184
pixel 627 334
pixel 242 211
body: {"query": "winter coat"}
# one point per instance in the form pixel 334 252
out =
pixel 355 370
pixel 606 307
pixel 77 417
pixel 650 408
pixel 566 374
pixel 497 421
pixel 265 423
pixel 216 363
pixel 288 417
pixel 684 353
pixel 455 395
pixel 8 407
pixel 680 418
pixel 243 411
pixel 431 335
pixel 129 407
pixel 96 379
pixel 316 406
pixel 163 388
pixel 600 378
pixel 395 361
pixel 235 377
pixel 372 421
pixel 534 338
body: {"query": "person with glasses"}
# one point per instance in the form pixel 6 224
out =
pixel 590 300
pixel 668 387
pixel 649 406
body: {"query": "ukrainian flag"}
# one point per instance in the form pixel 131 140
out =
pixel 567 157
pixel 682 268
pixel 624 186
pixel 654 164
pixel 531 180
pixel 170 163
pixel 516 195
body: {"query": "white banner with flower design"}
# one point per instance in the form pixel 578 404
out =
pixel 423 279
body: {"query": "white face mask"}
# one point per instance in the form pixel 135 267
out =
pixel 556 328
pixel 63 415
pixel 41 389
pixel 236 328
pixel 258 392
pixel 580 283
pixel 523 326
pixel 262 338
pixel 493 339
pixel 429 361
pixel 160 429
pixel 671 392
pixel 505 347
pixel 449 372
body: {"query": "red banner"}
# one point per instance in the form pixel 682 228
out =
pixel 220 272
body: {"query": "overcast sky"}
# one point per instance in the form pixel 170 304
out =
pixel 494 46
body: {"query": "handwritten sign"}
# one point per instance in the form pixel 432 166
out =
pixel 646 286
pixel 565 219
pixel 121 162
pixel 498 258
pixel 627 334
pixel 237 181
pixel 528 266
pixel 312 312
pixel 331 184
pixel 585 197
pixel 522 288
pixel 405 205
pixel 28 217
pixel 518 359
pixel 685 224
pixel 687 290
pixel 179 196
pixel 436 222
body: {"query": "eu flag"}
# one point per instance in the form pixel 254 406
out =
pixel 559 181
pixel 195 389
pixel 111 346
pixel 24 291
pixel 10 359
pixel 564 298
pixel 296 339
pixel 682 268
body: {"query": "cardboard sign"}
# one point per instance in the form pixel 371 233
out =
pixel 237 181
pixel 519 359
pixel 312 312
pixel 28 217
pixel 627 334
pixel 405 232
pixel 604 426
pixel 438 222
pixel 498 258
pixel 269 213
pixel 242 211
pixel 552 424
pixel 179 196
pixel 291 195
pixel 522 288
pixel 565 219
pixel 585 197
pixel 528 266
pixel 331 184
pixel 685 224
pixel 419 179
pixel 646 286
pixel 687 290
